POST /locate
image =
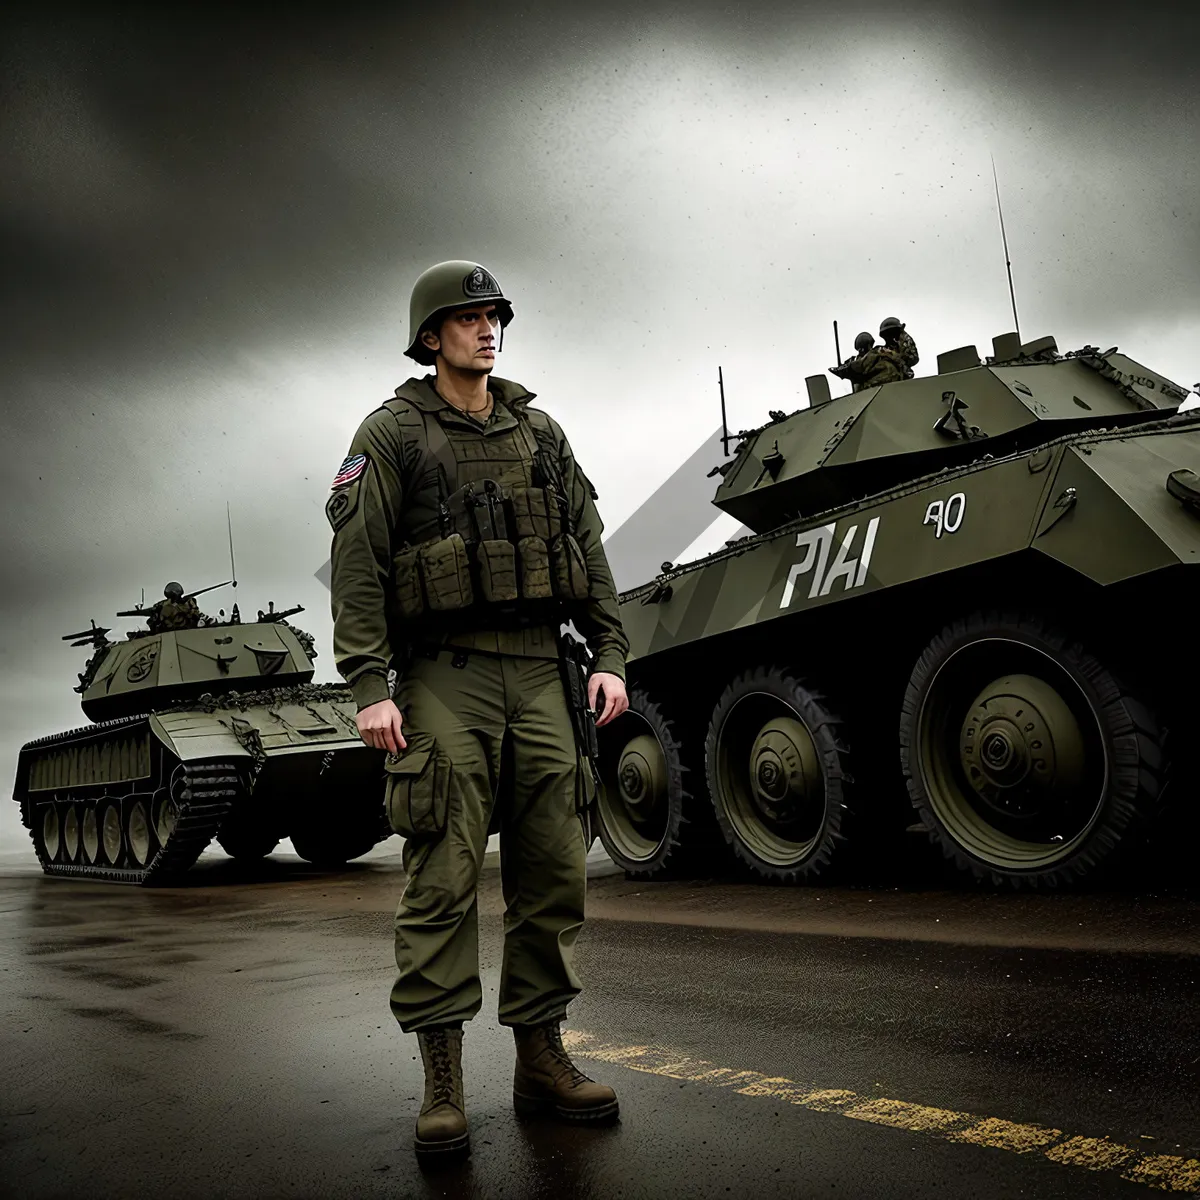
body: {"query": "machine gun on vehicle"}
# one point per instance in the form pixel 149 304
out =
pixel 273 617
pixel 96 637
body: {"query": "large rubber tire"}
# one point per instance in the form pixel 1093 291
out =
pixel 333 847
pixel 778 775
pixel 1028 762
pixel 245 844
pixel 649 822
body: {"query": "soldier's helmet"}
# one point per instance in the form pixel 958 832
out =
pixel 173 591
pixel 864 341
pixel 890 323
pixel 446 286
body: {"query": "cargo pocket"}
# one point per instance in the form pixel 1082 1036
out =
pixel 418 788
pixel 568 568
pixel 407 582
pixel 446 574
pixel 535 569
pixel 497 570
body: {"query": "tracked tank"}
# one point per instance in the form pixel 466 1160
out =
pixel 201 728
pixel 970 595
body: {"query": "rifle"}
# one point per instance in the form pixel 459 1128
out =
pixel 574 659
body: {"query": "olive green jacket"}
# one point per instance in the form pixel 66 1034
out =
pixel 367 513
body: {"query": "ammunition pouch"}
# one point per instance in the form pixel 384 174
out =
pixel 497 563
pixel 445 570
pixel 534 558
pixel 499 546
pixel 568 568
pixel 420 781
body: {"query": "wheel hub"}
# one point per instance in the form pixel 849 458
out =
pixel 641 777
pixel 1021 747
pixel 783 769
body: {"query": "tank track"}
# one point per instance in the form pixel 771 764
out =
pixel 204 793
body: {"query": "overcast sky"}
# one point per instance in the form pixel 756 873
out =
pixel 211 225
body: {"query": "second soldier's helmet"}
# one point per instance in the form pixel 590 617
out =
pixel 173 591
pixel 864 341
pixel 890 323
pixel 446 286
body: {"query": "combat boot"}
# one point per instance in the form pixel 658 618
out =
pixel 546 1079
pixel 442 1123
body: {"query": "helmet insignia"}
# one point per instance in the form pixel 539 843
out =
pixel 479 283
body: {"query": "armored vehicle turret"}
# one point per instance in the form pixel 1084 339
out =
pixel 203 727
pixel 970 587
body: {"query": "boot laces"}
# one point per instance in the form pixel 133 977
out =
pixel 442 1067
pixel 559 1053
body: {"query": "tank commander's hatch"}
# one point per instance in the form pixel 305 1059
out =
pixel 1006 346
pixel 961 359
pixel 818 390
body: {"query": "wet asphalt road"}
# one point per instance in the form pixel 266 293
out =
pixel 231 1038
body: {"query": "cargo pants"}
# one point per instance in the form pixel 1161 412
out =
pixel 440 796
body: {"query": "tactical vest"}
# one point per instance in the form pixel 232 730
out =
pixel 485 535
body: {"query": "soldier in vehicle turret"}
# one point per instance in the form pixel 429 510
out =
pixel 891 329
pixel 871 366
pixel 175 611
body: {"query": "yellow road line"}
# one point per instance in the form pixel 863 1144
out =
pixel 1166 1172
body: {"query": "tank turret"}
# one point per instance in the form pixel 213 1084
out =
pixel 843 448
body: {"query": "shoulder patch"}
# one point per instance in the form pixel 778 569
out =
pixel 352 467
pixel 343 502
pixel 342 505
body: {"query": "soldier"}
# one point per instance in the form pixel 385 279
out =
pixel 872 366
pixel 894 337
pixel 464 533
pixel 176 611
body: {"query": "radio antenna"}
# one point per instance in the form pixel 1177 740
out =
pixel 229 524
pixel 837 346
pixel 1004 239
pixel 724 423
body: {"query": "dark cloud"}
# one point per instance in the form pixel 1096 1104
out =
pixel 180 178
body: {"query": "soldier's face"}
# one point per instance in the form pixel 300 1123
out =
pixel 467 338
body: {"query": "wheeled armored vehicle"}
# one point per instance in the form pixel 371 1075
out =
pixel 969 594
pixel 214 730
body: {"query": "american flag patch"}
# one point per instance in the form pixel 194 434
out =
pixel 349 471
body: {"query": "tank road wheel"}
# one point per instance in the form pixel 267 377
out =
pixel 777 775
pixel 1028 762
pixel 50 832
pixel 138 837
pixel 90 835
pixel 165 811
pixel 71 834
pixel 110 832
pixel 647 817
